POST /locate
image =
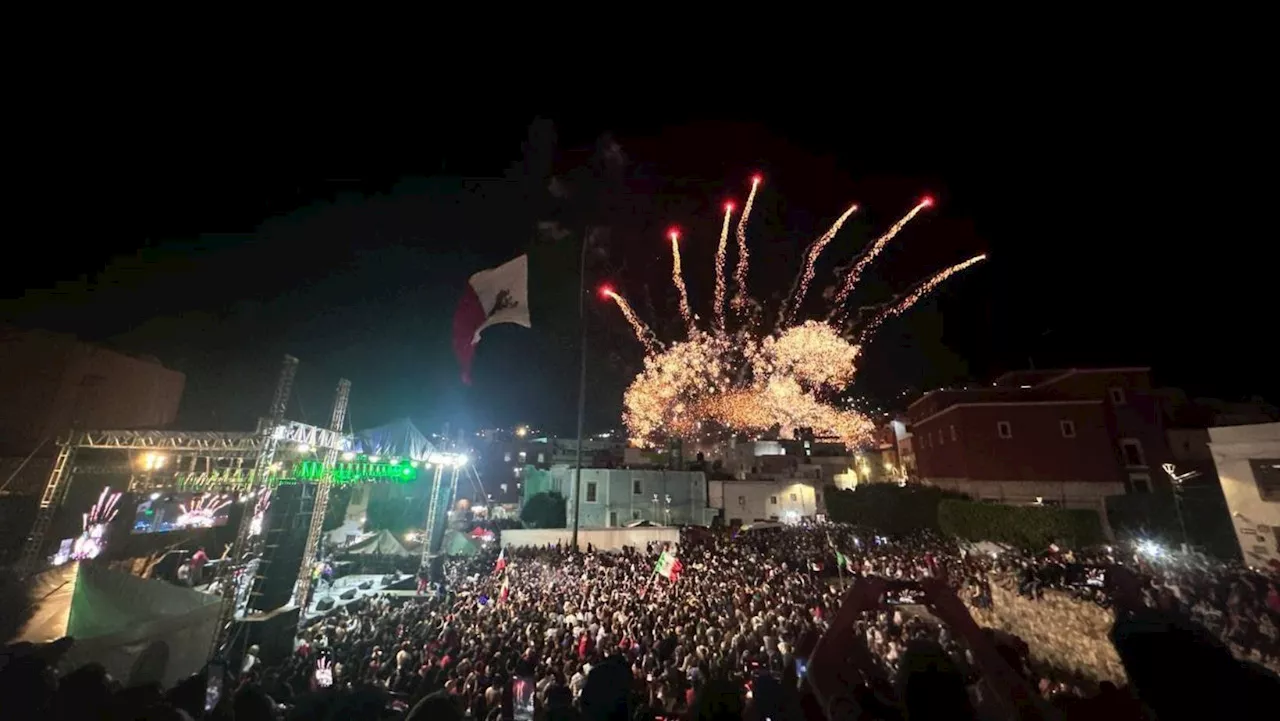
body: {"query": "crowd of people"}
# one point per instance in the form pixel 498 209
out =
pixel 801 622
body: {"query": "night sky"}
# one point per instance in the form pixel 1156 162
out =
pixel 219 252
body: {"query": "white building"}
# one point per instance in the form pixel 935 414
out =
pixel 786 500
pixel 617 497
pixel 1248 462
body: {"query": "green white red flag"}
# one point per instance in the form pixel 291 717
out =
pixel 493 296
pixel 669 567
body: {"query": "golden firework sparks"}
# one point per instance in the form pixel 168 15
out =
pixel 742 382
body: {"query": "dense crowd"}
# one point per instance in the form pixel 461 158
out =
pixel 809 622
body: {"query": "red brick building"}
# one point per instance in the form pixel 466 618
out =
pixel 1059 437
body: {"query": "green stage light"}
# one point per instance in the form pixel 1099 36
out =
pixel 360 471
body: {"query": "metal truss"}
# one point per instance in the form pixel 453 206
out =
pixel 55 491
pixel 431 513
pixel 208 443
pixel 314 436
pixel 200 460
pixel 102 469
pixel 234 477
pixel 302 588
pixel 429 545
pixel 226 579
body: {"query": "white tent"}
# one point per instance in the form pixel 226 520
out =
pixel 381 542
pixel 141 630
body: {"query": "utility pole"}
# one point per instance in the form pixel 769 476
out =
pixel 582 381
pixel 1178 479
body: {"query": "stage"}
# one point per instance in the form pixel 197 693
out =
pixel 340 586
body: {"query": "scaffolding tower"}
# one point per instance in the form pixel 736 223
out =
pixel 445 463
pixel 226 578
pixel 302 589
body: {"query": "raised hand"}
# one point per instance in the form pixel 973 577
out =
pixel 324 672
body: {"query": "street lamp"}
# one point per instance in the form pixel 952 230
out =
pixel 1178 479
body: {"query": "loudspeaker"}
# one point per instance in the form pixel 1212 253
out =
pixel 348 594
pixel 272 633
pixel 388 580
pixel 285 540
pixel 408 583
pixel 324 604
pixel 365 586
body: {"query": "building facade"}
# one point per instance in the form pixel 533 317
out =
pixel 783 500
pixel 1248 463
pixel 501 456
pixel 1056 437
pixel 52 382
pixel 616 497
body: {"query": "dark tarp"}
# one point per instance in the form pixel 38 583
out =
pixel 459 544
pixel 381 543
pixel 399 438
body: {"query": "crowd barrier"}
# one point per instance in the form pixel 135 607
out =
pixel 602 539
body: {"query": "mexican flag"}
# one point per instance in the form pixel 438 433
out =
pixel 669 567
pixel 506 590
pixel 493 296
pixel 502 561
pixel 844 562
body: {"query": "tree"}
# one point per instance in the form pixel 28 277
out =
pixel 888 508
pixel 544 510
pixel 1027 527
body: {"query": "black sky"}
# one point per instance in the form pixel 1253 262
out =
pixel 218 250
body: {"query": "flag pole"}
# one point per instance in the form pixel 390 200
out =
pixel 839 556
pixel 582 382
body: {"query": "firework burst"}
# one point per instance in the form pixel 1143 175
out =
pixel 260 512
pixel 93 536
pixel 741 381
pixel 203 512
pixel 104 511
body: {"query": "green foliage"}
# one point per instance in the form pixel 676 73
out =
pixel 544 510
pixel 888 508
pixel 1030 527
